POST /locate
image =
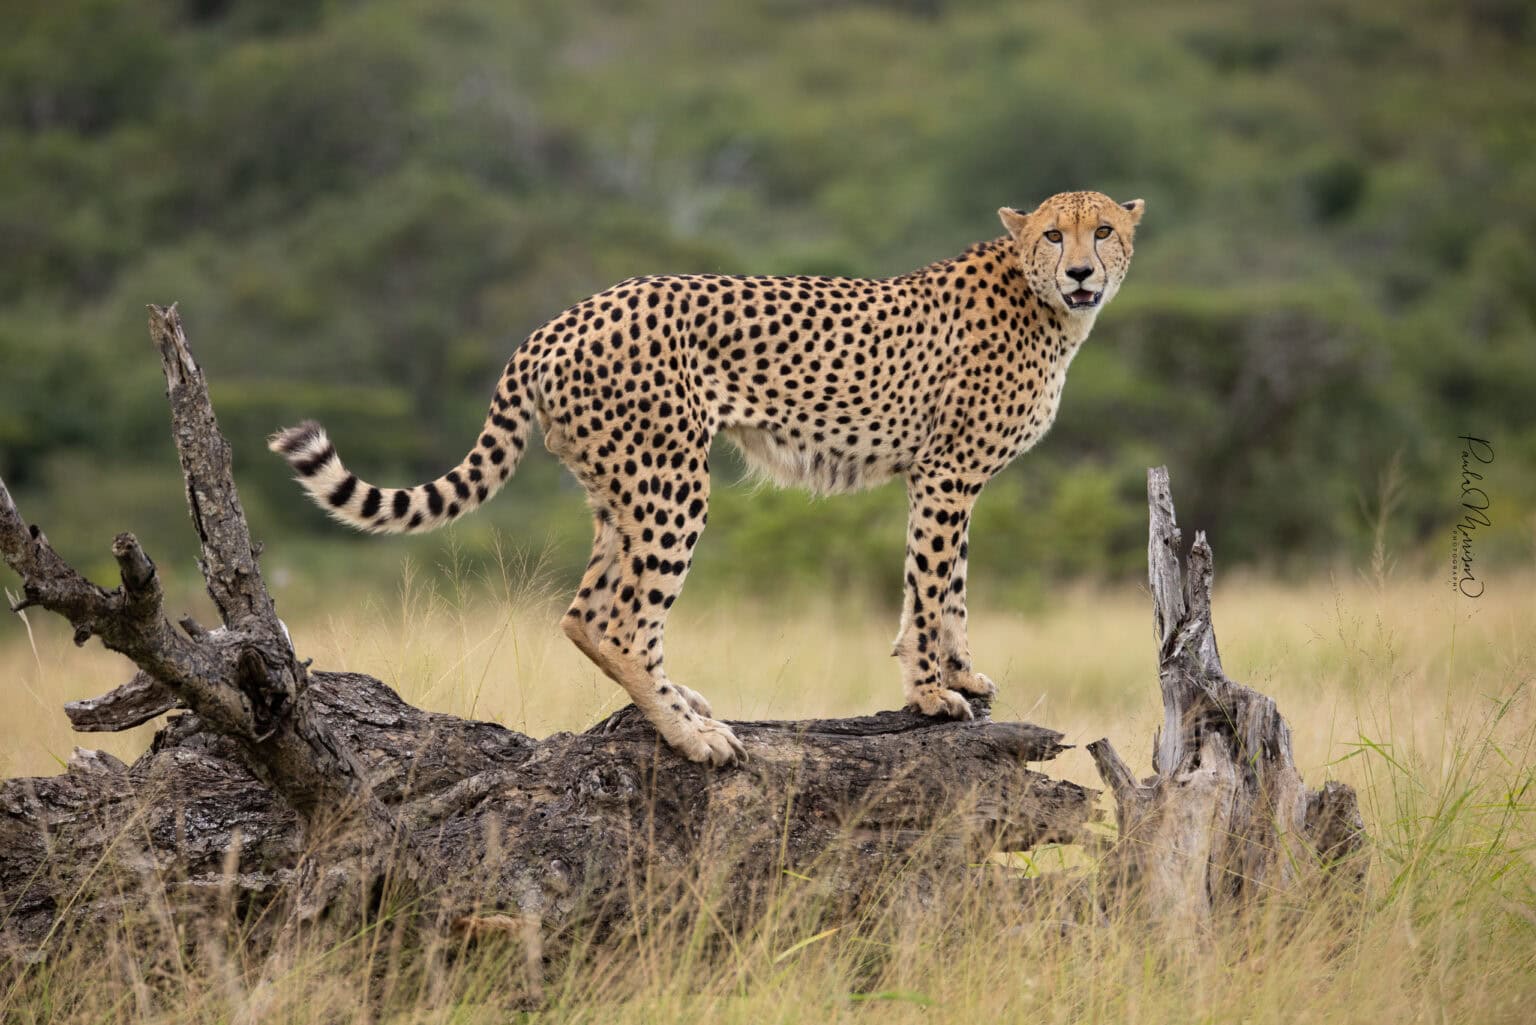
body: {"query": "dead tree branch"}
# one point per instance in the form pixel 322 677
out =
pixel 244 680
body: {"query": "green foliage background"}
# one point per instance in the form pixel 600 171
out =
pixel 364 207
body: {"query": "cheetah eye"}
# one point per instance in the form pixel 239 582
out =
pixel 1053 236
pixel 1104 231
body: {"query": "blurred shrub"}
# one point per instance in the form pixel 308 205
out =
pixel 80 67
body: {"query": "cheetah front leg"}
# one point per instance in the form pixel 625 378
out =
pixel 931 646
pixel 954 643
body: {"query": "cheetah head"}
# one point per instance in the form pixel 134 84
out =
pixel 1075 248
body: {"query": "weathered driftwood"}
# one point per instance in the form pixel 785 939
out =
pixel 1226 818
pixel 319 786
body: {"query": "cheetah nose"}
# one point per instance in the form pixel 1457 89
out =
pixel 1079 274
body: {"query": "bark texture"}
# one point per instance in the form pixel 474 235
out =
pixel 304 792
pixel 564 829
pixel 1226 818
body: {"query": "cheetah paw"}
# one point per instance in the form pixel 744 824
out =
pixel 971 683
pixel 943 702
pixel 701 739
pixel 695 700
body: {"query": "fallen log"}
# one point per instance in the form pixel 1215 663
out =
pixel 294 794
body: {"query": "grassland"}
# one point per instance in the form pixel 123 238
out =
pixel 1420 699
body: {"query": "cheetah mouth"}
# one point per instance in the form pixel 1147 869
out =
pixel 1082 299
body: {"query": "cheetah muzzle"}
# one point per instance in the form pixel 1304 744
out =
pixel 941 376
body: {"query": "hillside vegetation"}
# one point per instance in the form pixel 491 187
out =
pixel 365 207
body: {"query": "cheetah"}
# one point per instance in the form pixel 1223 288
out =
pixel 941 376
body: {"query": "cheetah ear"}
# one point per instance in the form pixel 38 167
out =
pixel 1014 220
pixel 1135 207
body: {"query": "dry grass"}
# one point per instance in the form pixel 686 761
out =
pixel 1418 698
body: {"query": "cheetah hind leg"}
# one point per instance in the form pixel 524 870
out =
pixel 646 578
pixel 587 618
pixel 696 701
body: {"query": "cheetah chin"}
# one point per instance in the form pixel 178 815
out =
pixel 942 376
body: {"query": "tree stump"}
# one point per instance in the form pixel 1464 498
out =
pixel 1226 818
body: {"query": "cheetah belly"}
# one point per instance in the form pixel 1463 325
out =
pixel 821 470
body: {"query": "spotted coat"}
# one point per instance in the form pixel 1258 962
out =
pixel 941 376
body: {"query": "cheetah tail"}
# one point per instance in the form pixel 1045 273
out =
pixel 355 502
